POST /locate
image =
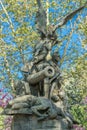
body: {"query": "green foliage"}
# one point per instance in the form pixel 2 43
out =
pixel 83 28
pixel 76 77
pixel 80 114
pixel 1 120
pixel 26 35
pixel 79 109
pixel 76 89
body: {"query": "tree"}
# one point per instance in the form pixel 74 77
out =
pixel 23 35
pixel 17 14
pixel 76 83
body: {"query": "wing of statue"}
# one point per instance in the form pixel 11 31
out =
pixel 41 18
pixel 68 17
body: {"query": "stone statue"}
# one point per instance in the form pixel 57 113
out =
pixel 21 88
pixel 40 101
pixel 42 107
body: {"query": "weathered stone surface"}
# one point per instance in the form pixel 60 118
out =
pixel 41 107
pixel 35 78
pixel 16 112
pixel 27 122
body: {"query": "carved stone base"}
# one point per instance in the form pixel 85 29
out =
pixel 27 122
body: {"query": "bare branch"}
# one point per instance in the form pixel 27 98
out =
pixel 47 12
pixel 6 64
pixel 11 24
pixel 66 47
pixel 68 17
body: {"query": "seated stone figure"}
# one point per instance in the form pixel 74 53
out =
pixel 35 79
pixel 21 88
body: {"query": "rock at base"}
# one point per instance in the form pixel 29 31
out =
pixel 28 122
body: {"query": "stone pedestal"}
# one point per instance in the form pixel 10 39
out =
pixel 28 122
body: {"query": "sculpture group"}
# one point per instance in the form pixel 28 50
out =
pixel 40 93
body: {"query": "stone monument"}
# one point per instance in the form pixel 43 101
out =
pixel 40 101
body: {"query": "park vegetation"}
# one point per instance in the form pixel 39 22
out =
pixel 18 36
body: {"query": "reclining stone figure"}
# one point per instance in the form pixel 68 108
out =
pixel 40 106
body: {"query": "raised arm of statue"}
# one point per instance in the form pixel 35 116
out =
pixel 41 17
pixel 68 17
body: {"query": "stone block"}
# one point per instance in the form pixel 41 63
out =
pixel 28 122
